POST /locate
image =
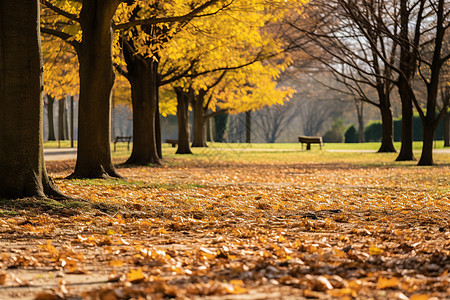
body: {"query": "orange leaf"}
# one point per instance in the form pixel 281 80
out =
pixel 384 283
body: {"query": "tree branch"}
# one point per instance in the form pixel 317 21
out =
pixel 153 21
pixel 60 11
pixel 62 35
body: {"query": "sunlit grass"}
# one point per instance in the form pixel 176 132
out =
pixel 281 153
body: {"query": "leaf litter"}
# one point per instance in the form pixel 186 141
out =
pixel 234 231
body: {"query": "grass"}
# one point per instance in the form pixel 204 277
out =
pixel 282 153
pixel 288 146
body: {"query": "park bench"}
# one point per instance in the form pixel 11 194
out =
pixel 172 142
pixel 308 140
pixel 122 139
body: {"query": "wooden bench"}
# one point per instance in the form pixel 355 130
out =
pixel 122 139
pixel 308 140
pixel 172 142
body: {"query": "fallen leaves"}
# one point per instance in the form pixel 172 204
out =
pixel 313 231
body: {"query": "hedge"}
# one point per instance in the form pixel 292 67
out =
pixel 373 130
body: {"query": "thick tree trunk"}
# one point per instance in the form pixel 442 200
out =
pixel 50 116
pixel 408 62
pixel 199 138
pixel 426 159
pixel 143 77
pixel 183 122
pixel 144 115
pixel 96 81
pixel 406 150
pixel 387 129
pixel 22 168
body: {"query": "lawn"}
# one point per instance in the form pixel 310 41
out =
pixel 230 224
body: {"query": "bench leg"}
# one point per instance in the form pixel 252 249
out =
pixel 308 146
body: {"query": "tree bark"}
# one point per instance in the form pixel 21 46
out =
pixel 248 127
pixel 426 159
pixel 408 62
pixel 432 117
pixel 22 167
pixel 143 77
pixel 406 149
pixel 220 125
pixel 183 121
pixel 72 123
pixel 96 81
pixel 50 116
pixel 387 131
pixel 447 129
pixel 158 125
pixel 61 120
pixel 199 138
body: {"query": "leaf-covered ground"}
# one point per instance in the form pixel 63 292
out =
pixel 234 230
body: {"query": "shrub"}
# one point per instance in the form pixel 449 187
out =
pixel 351 134
pixel 336 133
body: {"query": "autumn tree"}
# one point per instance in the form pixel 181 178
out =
pixel 142 46
pixel 328 33
pixel 22 167
pixel 88 27
pixel 421 51
pixel 228 51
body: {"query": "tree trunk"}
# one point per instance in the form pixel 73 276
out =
pixel 387 132
pixel 22 167
pixel 199 138
pixel 360 113
pixel 96 81
pixel 61 119
pixel 447 129
pixel 144 88
pixel 426 159
pixel 72 123
pixel 248 127
pixel 406 150
pixel 209 131
pixel 50 116
pixel 158 126
pixel 408 62
pixel 220 125
pixel 183 121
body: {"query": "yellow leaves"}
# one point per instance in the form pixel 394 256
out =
pixel 419 297
pixel 375 251
pixel 384 283
pixel 342 292
pixel 135 276
pixel 3 277
pixel 235 287
pixel 49 248
pixel 116 263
